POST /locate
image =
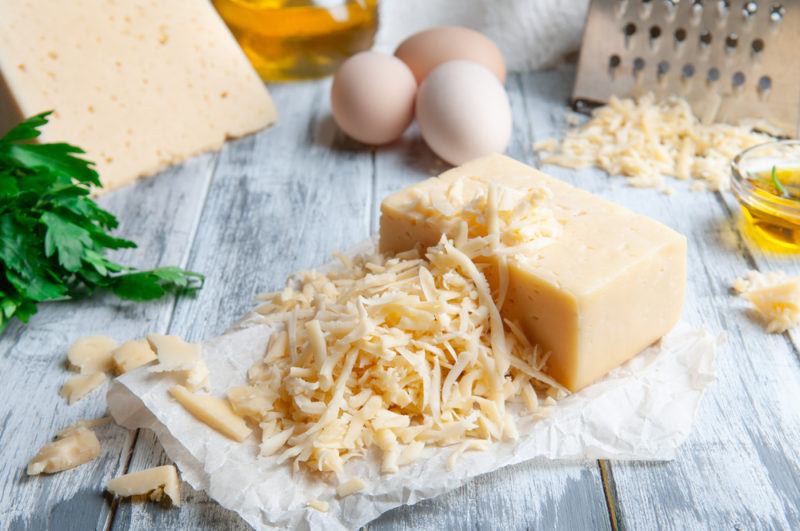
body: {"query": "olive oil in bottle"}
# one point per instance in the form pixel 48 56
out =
pixel 300 39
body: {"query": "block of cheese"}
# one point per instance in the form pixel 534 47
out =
pixel 138 84
pixel 610 284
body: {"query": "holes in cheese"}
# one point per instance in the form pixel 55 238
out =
pixel 79 386
pixel 216 412
pixel 91 354
pixel 155 483
pixel 73 446
pixel 131 355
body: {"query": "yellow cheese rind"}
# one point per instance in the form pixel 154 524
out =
pixel 153 482
pixel 139 85
pixel 610 284
pixel 215 412
pixel 131 355
pixel 73 446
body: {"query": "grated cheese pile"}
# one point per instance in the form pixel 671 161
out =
pixel 775 296
pixel 394 352
pixel 645 141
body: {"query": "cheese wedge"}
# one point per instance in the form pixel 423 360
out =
pixel 611 283
pixel 137 84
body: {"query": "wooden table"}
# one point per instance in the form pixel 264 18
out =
pixel 283 200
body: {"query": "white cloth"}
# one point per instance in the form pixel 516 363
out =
pixel 532 34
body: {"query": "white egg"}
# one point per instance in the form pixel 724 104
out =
pixel 463 112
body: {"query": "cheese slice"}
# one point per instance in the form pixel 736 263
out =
pixel 139 85
pixel 91 354
pixel 610 284
pixel 132 354
pixel 73 446
pixel 214 411
pixel 79 386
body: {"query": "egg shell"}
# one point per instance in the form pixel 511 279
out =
pixel 426 50
pixel 372 97
pixel 463 112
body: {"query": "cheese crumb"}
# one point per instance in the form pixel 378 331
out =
pixel 154 483
pixel 131 355
pixel 214 411
pixel 91 354
pixel 646 140
pixel 176 355
pixel 775 297
pixel 79 386
pixel 73 446
pixel 321 506
pixel 351 486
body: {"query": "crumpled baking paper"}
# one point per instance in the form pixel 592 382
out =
pixel 642 410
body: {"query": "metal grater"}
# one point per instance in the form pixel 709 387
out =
pixel 732 60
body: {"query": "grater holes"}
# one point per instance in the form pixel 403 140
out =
pixel 749 8
pixel 655 32
pixel 757 45
pixel 697 6
pixel 731 42
pixel 662 68
pixel 687 71
pixel 777 12
pixel 737 80
pixel 629 30
pixel 713 74
pixel 614 61
pixel 638 66
pixel 723 7
pixel 680 35
pixel 705 38
pixel 764 83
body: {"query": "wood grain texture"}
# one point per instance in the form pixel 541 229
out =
pixel 282 200
pixel 32 360
pixel 741 464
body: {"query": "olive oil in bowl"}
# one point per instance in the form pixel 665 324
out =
pixel 766 181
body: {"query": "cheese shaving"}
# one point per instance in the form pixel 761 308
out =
pixel 397 352
pixel 775 297
pixel 646 140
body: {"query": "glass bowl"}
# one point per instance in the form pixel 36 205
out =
pixel 771 205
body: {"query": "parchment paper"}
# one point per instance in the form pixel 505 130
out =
pixel 642 410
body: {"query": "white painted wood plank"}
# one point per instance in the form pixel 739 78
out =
pixel 741 464
pixel 161 215
pixel 280 201
pixel 531 495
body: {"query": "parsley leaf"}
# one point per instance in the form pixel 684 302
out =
pixel 53 236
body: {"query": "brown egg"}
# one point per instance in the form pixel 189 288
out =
pixel 426 50
pixel 372 97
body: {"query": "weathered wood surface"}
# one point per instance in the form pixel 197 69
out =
pixel 283 200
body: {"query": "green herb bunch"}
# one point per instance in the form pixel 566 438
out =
pixel 53 236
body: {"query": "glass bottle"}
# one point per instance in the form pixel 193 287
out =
pixel 300 39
